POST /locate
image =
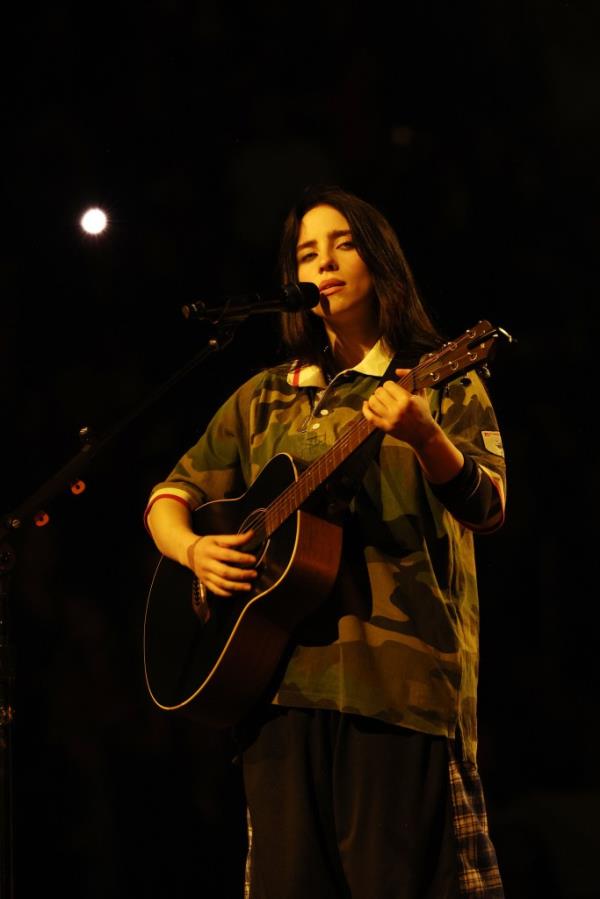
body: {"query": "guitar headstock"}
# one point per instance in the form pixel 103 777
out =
pixel 470 351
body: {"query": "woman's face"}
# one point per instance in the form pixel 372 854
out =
pixel 327 257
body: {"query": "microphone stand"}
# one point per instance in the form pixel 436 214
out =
pixel 7 561
pixel 33 510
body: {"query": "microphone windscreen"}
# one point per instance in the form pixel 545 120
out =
pixel 302 295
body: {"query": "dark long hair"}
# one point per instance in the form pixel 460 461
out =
pixel 403 321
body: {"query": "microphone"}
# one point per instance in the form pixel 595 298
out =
pixel 291 297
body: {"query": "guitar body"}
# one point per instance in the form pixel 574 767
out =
pixel 215 664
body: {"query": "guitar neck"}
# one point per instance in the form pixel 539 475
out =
pixel 467 352
pixel 317 473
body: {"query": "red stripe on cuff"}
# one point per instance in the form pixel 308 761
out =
pixel 174 496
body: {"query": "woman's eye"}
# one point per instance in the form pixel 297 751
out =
pixel 346 245
pixel 306 257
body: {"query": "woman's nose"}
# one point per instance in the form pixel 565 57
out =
pixel 327 263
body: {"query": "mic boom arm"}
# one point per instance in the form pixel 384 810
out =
pixel 291 297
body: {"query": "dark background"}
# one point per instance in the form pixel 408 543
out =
pixel 475 128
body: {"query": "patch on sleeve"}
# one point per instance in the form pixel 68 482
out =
pixel 493 442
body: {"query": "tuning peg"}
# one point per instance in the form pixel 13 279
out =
pixel 507 336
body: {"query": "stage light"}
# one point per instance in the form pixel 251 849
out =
pixel 94 221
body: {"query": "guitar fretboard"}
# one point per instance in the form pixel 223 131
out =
pixel 458 356
pixel 316 474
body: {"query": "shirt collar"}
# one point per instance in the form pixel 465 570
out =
pixel 374 363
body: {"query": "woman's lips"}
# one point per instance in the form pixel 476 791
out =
pixel 329 287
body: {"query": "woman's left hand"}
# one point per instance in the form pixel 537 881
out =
pixel 399 412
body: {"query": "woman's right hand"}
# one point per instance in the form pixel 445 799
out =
pixel 219 563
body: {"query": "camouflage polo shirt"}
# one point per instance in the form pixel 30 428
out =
pixel 398 637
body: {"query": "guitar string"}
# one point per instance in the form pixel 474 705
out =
pixel 289 500
pixel 292 497
pixel 322 467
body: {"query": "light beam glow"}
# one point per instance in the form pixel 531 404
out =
pixel 94 221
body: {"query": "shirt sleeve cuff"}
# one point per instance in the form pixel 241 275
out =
pixel 468 495
pixel 177 497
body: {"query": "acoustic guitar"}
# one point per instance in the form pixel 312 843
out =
pixel 213 657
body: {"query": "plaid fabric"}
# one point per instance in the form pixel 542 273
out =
pixel 478 872
pixel 248 872
pixel 479 876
